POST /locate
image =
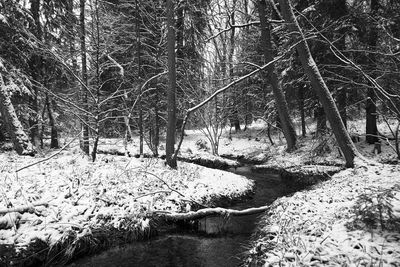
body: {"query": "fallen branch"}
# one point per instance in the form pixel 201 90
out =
pixel 26 208
pixel 196 215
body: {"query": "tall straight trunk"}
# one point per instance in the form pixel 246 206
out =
pixel 20 139
pixel 85 127
pixel 179 29
pixel 371 129
pixel 71 22
pixel 53 129
pixel 320 115
pixel 301 110
pixel 235 121
pixel 281 104
pixel 96 44
pixel 336 11
pixel 36 68
pixel 171 105
pixel 140 122
pixel 156 139
pixel 318 83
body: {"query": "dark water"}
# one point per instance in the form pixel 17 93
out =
pixel 222 242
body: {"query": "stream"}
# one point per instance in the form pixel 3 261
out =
pixel 217 242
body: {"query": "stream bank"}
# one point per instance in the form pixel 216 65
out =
pixel 82 219
pixel 352 219
pixel 211 241
pixel 91 207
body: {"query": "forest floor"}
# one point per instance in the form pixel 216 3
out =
pixel 352 218
pixel 68 206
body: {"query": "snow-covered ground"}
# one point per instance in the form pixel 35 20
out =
pixel 351 220
pixel 77 197
pixel 326 225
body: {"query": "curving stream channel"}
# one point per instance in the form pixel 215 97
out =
pixel 218 242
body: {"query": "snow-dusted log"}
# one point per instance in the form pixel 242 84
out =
pixel 196 215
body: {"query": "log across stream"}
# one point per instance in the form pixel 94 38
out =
pixel 217 241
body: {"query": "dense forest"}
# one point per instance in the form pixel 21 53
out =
pixel 284 83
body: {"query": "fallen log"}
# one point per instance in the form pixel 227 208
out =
pixel 23 209
pixel 202 213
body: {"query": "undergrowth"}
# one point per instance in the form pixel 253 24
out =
pixel 374 209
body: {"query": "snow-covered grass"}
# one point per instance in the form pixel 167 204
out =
pixel 350 220
pixel 353 219
pixel 87 201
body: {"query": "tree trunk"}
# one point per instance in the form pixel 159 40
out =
pixel 281 104
pixel 179 30
pixel 156 128
pixel 301 110
pixel 85 143
pixel 171 105
pixel 317 82
pixel 21 141
pixel 336 11
pixel 371 130
pixel 36 68
pixel 341 99
pixel 71 33
pixel 139 73
pixel 96 55
pixel 235 120
pixel 53 129
pixel 321 120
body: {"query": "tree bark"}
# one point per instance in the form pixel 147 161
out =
pixel 318 83
pixel 21 141
pixel 235 120
pixel 36 68
pixel 337 10
pixel 156 139
pixel 281 104
pixel 321 120
pixel 53 129
pixel 171 101
pixel 301 110
pixel 371 129
pixel 139 73
pixel 341 99
pixel 85 127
